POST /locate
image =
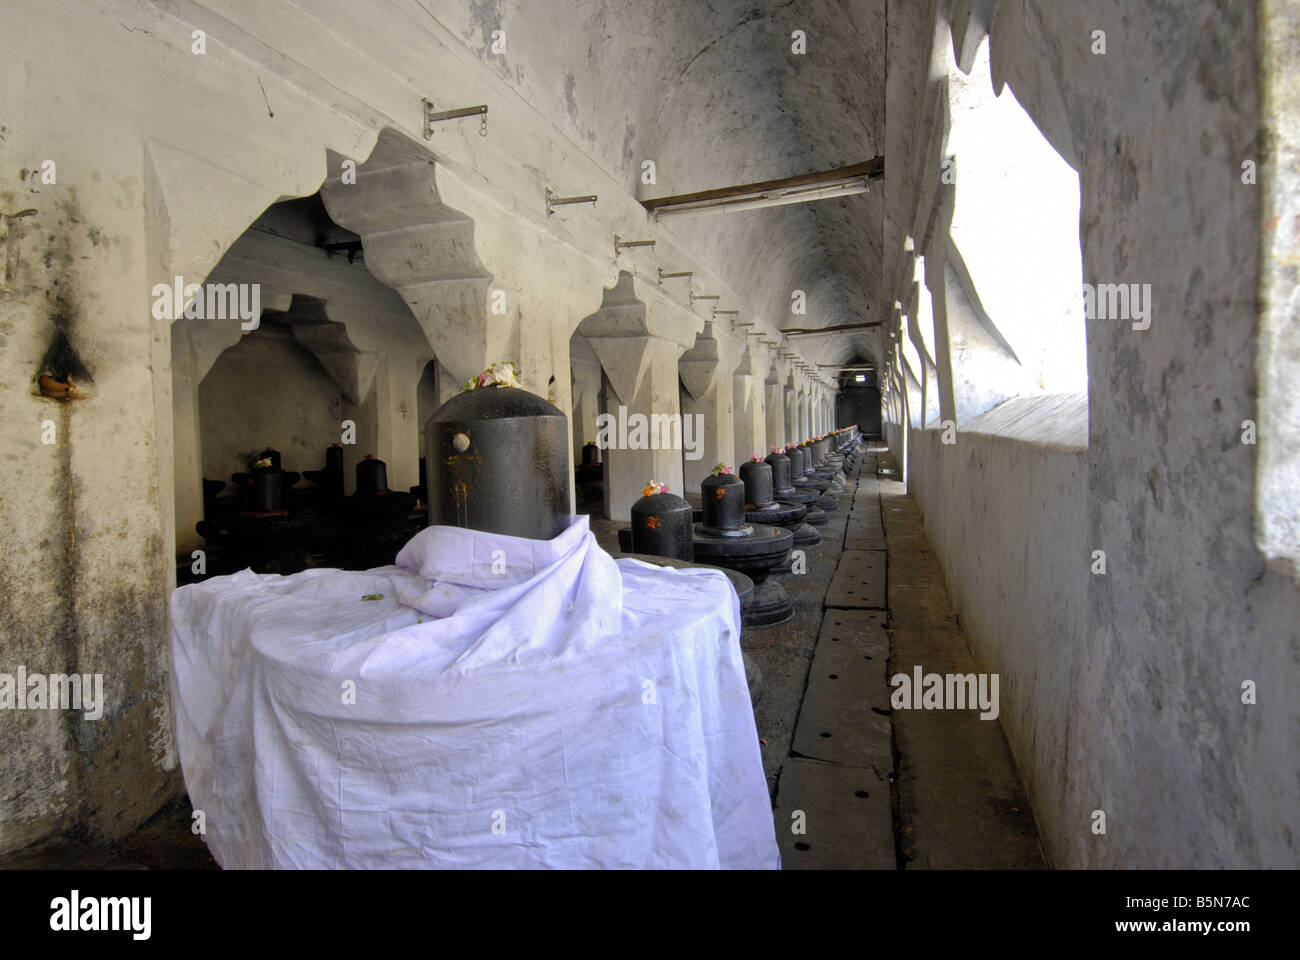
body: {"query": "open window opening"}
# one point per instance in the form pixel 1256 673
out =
pixel 1015 240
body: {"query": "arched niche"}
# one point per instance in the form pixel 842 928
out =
pixel 315 292
pixel 271 389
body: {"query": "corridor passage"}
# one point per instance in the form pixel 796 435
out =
pixel 859 784
pixel 345 345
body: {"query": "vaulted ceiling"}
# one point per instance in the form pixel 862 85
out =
pixel 712 92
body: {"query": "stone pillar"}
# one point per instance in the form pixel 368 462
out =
pixel 706 372
pixel 750 421
pixel 643 372
pixel 791 413
pixel 642 433
pixel 397 380
pixel 775 410
pixel 188 451
pixel 585 407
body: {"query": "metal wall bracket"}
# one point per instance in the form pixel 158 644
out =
pixel 432 116
pixel 553 201
pixel 705 296
pixel 669 276
pixel 620 243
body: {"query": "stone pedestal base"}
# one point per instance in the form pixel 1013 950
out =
pixel 771 605
pixel 757 556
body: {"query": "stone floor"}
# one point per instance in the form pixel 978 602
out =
pixel 866 786
pixel 854 783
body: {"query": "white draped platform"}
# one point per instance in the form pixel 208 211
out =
pixel 507 703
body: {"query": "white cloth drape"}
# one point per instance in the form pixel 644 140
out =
pixel 507 703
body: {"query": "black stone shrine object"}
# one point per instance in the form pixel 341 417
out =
pixel 662 526
pixel 723 539
pixel 498 459
pixel 822 478
pixel 329 480
pixel 590 476
pixel 762 507
pixel 373 518
pixel 785 490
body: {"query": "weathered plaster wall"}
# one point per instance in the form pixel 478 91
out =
pixel 1006 512
pixel 88 557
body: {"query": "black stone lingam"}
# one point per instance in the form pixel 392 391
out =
pixel 264 486
pixel 499 462
pixel 782 471
pixel 821 449
pixel 761 506
pixel 722 501
pixel 590 475
pixel 374 518
pixel 823 478
pixel 801 471
pixel 780 464
pixel 329 480
pixel 372 476
pixel 723 539
pixel 663 526
pixel 814 463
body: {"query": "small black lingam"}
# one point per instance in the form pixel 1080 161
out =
pixel 724 492
pixel 723 539
pixel 329 480
pixel 819 476
pixel 761 505
pixel 782 464
pixel 372 476
pixel 662 524
pixel 264 486
pixel 374 518
pixel 801 473
pixel 590 475
pixel 662 532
